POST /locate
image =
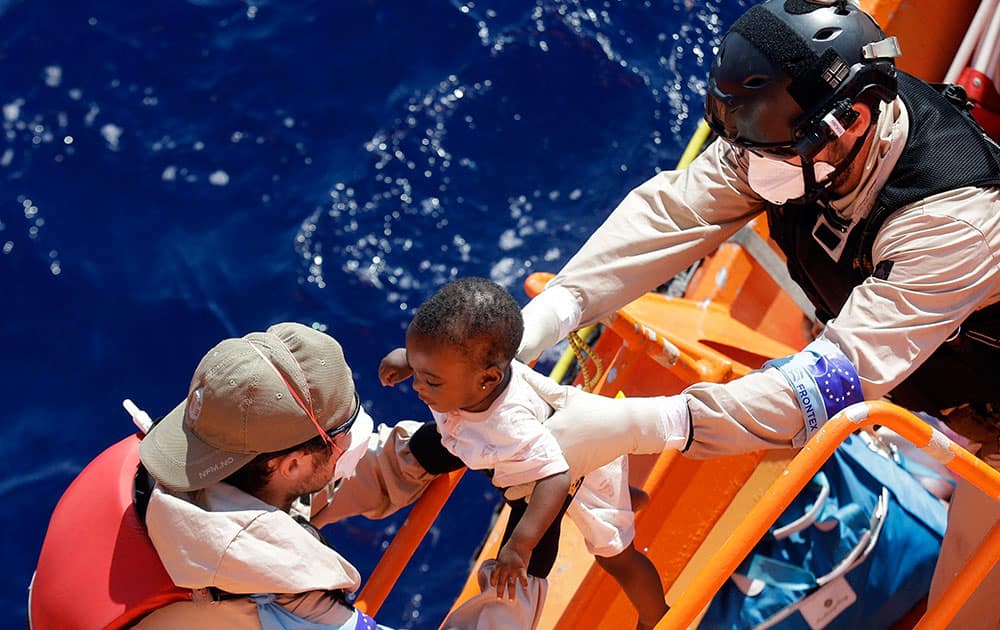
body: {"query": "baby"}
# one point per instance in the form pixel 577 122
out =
pixel 460 351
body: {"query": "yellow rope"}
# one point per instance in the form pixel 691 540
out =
pixel 558 372
pixel 581 351
pixel 577 347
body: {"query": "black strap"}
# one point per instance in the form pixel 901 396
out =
pixel 425 444
pixel 543 556
pixel 776 40
pixel 142 490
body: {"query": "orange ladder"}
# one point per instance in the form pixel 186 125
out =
pixel 802 468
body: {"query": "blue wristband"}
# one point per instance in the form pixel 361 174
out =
pixel 824 382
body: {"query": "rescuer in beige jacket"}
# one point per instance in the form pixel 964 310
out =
pixel 824 126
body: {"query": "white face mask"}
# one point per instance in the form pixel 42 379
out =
pixel 359 433
pixel 778 181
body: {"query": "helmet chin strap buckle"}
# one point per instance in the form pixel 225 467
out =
pixel 887 48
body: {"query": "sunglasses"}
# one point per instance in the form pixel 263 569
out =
pixel 344 427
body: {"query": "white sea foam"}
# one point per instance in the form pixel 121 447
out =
pixel 112 134
pixel 219 178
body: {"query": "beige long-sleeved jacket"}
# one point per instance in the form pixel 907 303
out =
pixel 224 538
pixel 945 249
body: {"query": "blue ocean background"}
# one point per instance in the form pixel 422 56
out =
pixel 175 173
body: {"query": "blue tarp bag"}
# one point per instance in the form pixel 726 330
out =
pixel 856 549
pixel 274 617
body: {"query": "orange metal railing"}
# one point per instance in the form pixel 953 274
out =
pixel 397 555
pixel 802 468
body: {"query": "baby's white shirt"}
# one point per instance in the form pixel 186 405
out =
pixel 509 437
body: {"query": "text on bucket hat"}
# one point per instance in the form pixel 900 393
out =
pixel 261 393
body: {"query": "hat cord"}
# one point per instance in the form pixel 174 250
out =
pixel 308 410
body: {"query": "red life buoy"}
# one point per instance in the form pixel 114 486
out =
pixel 97 567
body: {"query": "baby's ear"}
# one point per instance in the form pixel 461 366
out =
pixel 492 376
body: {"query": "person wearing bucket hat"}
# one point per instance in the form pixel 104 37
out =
pixel 882 193
pixel 262 393
pixel 269 417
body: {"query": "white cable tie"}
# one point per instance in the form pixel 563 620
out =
pixel 939 447
pixel 140 418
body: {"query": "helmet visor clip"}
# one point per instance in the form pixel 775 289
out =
pixel 830 127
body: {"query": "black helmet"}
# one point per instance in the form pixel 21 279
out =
pixel 786 65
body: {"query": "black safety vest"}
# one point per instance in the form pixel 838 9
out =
pixel 945 150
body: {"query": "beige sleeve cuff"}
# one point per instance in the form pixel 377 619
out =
pixel 387 479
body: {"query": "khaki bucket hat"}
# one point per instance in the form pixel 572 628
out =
pixel 248 396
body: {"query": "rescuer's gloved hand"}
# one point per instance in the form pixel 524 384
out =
pixel 595 430
pixel 548 318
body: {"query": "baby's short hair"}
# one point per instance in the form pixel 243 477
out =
pixel 474 314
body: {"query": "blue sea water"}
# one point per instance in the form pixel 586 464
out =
pixel 174 173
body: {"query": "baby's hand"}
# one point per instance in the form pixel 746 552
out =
pixel 394 368
pixel 511 568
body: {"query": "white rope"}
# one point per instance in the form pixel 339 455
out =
pixel 986 55
pixel 987 9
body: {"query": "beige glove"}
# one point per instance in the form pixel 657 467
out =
pixel 548 318
pixel 595 430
